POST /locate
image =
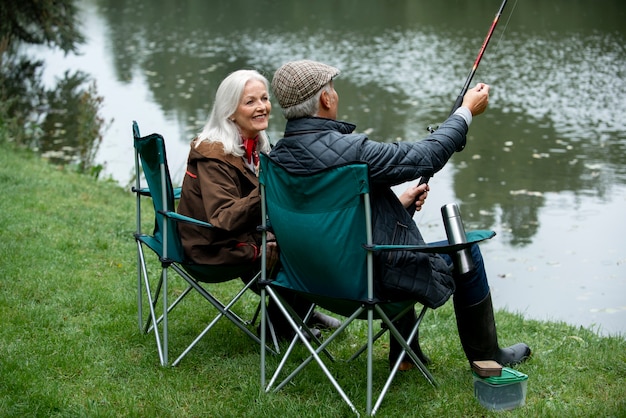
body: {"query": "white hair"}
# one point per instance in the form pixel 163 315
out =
pixel 309 107
pixel 219 127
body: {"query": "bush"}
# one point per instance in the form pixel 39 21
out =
pixel 62 123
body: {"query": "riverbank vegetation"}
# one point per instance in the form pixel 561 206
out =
pixel 70 344
pixel 60 122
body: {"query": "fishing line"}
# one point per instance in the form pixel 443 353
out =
pixel 506 25
pixel 459 99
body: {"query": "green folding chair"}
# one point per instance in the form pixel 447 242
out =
pixel 164 241
pixel 322 223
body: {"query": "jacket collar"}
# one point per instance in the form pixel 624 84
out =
pixel 314 124
pixel 215 151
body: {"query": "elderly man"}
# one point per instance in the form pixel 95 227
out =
pixel 315 140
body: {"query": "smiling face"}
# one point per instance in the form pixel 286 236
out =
pixel 253 112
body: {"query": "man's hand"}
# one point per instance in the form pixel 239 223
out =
pixel 415 195
pixel 477 99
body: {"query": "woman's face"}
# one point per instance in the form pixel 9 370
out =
pixel 253 112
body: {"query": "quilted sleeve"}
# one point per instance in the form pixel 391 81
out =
pixel 395 163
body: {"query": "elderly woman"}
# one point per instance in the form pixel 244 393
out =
pixel 221 186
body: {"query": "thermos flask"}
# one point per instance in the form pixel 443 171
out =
pixel 456 235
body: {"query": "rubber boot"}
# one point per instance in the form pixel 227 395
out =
pixel 477 331
pixel 281 326
pixel 404 326
pixel 322 321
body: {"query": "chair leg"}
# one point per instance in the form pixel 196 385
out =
pixel 224 310
pixel 263 335
pixel 170 308
pixel 313 355
pixel 139 286
pixel 404 324
pixel 370 359
pixel 160 339
pixel 252 321
pixel 406 350
pixel 379 334
pixel 363 348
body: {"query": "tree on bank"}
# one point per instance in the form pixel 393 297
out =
pixel 62 121
pixel 39 22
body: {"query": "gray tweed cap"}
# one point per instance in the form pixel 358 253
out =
pixel 297 81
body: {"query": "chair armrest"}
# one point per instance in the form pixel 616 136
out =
pixel 267 227
pixel 144 191
pixel 177 217
pixel 473 237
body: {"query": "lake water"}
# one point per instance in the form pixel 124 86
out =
pixel 544 166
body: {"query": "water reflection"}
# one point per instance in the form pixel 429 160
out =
pixel 552 126
pixel 553 139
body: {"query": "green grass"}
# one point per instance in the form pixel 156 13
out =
pixel 70 344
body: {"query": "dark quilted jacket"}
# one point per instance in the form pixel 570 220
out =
pixel 312 144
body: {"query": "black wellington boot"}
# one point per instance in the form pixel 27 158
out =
pixel 404 326
pixel 477 331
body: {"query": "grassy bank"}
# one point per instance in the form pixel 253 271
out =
pixel 70 344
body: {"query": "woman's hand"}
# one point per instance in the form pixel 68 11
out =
pixel 272 251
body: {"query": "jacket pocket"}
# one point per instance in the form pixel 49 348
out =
pixel 399 237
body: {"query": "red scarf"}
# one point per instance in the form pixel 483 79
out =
pixel 249 145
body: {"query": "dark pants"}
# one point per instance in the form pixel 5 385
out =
pixel 471 287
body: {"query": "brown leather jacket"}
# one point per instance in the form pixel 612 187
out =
pixel 220 189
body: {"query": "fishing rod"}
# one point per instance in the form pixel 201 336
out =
pixel 459 99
